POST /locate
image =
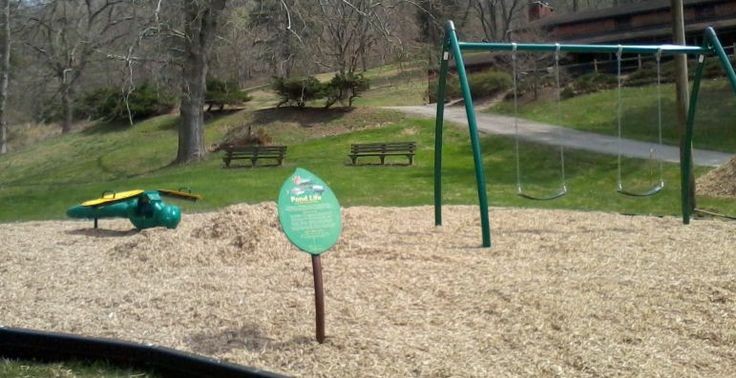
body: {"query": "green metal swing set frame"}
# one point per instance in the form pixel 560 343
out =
pixel 451 45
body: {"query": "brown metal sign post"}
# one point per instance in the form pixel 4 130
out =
pixel 319 298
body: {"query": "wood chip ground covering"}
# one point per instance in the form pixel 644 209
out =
pixel 561 293
pixel 719 182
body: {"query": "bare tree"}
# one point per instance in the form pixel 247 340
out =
pixel 4 71
pixel 67 34
pixel 431 15
pixel 346 31
pixel 233 58
pixel 279 31
pixel 498 17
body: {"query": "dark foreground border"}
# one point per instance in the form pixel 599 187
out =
pixel 21 343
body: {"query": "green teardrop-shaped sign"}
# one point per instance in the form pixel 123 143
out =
pixel 309 212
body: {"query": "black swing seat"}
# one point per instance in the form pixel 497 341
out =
pixel 654 190
pixel 557 195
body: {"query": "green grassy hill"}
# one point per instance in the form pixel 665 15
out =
pixel 43 180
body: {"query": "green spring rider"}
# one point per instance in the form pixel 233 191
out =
pixel 145 209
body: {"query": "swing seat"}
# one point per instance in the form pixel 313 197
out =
pixel 654 190
pixel 557 195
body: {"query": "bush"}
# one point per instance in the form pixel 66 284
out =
pixel 98 103
pixel 344 87
pixel 489 83
pixel 482 84
pixel 567 92
pixel 647 75
pixel 243 137
pixel 221 93
pixel 452 89
pixel 712 69
pixel 589 83
pixel 109 104
pixel 297 90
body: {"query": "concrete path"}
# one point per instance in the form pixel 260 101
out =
pixel 555 135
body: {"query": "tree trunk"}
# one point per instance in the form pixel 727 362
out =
pixel 4 76
pixel 67 108
pixel 200 23
pixel 191 127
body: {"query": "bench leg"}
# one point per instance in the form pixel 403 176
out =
pixel 411 159
pixel 227 163
pixel 353 158
pixel 253 162
pixel 383 157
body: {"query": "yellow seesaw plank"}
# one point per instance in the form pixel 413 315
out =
pixel 112 197
pixel 180 194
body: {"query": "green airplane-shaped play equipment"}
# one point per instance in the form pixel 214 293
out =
pixel 144 208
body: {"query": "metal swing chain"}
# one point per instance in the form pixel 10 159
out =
pixel 659 112
pixel 619 53
pixel 619 111
pixel 519 189
pixel 559 116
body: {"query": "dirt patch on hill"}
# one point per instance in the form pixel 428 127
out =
pixel 561 293
pixel 720 182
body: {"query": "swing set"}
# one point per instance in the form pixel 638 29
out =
pixel 453 47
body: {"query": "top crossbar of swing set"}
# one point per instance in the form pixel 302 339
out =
pixel 567 48
pixel 452 47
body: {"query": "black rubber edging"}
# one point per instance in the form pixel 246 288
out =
pixel 18 343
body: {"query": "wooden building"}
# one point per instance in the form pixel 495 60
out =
pixel 643 22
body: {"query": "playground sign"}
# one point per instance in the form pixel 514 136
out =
pixel 310 217
pixel 309 213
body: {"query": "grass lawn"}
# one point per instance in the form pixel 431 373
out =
pixel 395 85
pixel 409 92
pixel 715 126
pixel 28 369
pixel 42 181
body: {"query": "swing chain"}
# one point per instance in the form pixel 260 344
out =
pixel 652 151
pixel 563 180
pixel 519 189
pixel 519 186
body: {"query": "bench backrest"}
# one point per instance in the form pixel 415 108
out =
pixel 255 150
pixel 383 147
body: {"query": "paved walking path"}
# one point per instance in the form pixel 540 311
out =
pixel 555 135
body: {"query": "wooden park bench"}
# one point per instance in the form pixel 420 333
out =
pixel 253 153
pixel 382 150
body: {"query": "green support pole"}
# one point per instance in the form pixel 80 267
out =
pixel 711 39
pixel 716 46
pixel 441 85
pixel 687 147
pixel 480 177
